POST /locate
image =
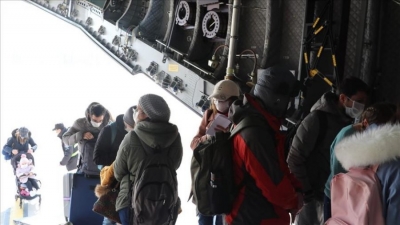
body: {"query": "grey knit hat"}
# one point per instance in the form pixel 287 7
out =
pixel 128 117
pixel 155 107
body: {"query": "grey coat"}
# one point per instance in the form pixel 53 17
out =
pixel 131 153
pixel 81 126
pixel 308 160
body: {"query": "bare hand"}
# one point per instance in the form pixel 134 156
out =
pixel 14 151
pixel 88 136
pixel 219 128
pixel 30 151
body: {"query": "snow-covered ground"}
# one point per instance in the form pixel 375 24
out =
pixel 50 72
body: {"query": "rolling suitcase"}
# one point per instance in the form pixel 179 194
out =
pixel 67 188
pixel 82 200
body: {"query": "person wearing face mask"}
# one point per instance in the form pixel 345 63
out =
pixel 106 147
pixel 225 92
pixel 309 156
pixel 377 145
pixel 84 132
pixel 374 116
pixel 70 159
pixel 88 127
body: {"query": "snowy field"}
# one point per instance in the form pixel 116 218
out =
pixel 50 72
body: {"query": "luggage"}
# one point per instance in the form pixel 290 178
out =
pixel 67 188
pixel 82 200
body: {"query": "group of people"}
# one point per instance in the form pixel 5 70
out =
pixel 338 134
pixel 272 187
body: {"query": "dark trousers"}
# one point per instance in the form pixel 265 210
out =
pixel 327 208
pixel 209 220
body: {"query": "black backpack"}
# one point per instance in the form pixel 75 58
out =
pixel 213 186
pixel 291 131
pixel 7 150
pixel 155 189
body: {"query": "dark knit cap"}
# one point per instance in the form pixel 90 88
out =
pixel 155 107
pixel 128 117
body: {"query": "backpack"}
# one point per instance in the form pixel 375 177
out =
pixel 356 198
pixel 7 151
pixel 113 127
pixel 86 163
pixel 291 131
pixel 213 186
pixel 155 189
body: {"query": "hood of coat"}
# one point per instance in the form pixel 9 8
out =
pixel 156 134
pixel 240 109
pixel 107 116
pixel 370 147
pixel 120 123
pixel 329 103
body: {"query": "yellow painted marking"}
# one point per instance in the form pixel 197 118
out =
pixel 334 60
pixel 320 51
pixel 328 81
pixel 173 67
pixel 315 23
pixel 305 57
pixel 319 29
pixel 16 212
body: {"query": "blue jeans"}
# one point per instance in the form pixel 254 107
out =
pixel 124 216
pixel 327 208
pixel 107 221
pixel 209 220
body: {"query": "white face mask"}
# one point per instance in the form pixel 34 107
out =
pixel 135 115
pixel 94 124
pixel 24 166
pixel 128 129
pixel 356 110
pixel 222 106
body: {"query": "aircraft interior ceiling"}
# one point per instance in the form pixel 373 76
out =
pixel 187 46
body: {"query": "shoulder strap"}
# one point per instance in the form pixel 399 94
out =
pixel 323 123
pixel 246 122
pixel 113 127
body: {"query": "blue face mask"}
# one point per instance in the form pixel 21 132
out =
pixel 372 126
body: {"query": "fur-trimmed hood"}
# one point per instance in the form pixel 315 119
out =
pixel 374 146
